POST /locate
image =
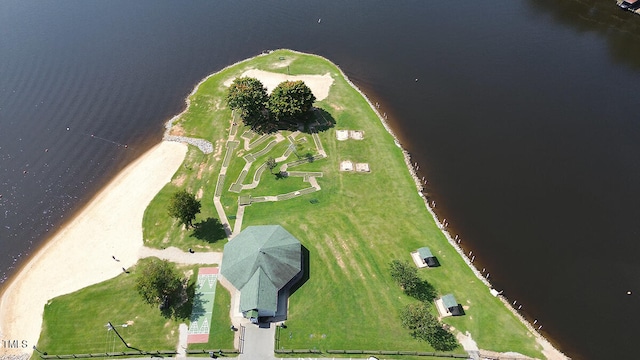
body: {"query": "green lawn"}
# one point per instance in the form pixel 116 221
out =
pixel 75 323
pixel 352 228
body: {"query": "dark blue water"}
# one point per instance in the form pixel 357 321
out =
pixel 523 120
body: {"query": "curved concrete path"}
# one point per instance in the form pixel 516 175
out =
pixel 176 255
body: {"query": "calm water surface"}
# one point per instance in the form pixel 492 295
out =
pixel 523 119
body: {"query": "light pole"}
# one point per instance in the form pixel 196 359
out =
pixel 116 331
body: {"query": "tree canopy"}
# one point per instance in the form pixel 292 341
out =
pixel 424 326
pixel 404 274
pixel 249 96
pixel 159 282
pixel 184 207
pixel 290 100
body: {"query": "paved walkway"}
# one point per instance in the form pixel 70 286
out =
pixel 176 255
pixel 258 342
pixel 469 345
pixel 182 341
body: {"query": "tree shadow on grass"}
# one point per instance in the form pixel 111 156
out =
pixel 185 303
pixel 209 230
pixel 423 291
pixel 313 121
pixel 281 175
pixel 323 120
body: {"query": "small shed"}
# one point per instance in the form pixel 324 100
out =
pixel 427 257
pixel 451 304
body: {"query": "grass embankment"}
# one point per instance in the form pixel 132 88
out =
pixel 355 226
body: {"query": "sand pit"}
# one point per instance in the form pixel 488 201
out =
pixel 346 165
pixel 356 134
pixel 319 84
pixel 342 135
pixel 80 254
pixel 362 167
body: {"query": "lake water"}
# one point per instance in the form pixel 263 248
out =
pixel 522 119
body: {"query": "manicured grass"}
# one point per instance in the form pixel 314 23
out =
pixel 75 323
pixel 356 225
pixel 160 230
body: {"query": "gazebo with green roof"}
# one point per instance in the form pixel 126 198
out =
pixel 259 262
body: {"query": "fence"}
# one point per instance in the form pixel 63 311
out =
pixel 111 354
pixel 362 352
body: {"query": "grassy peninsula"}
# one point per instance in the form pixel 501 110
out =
pixel 353 226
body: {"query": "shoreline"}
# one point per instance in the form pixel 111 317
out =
pixel 56 240
pixel 548 349
pixel 80 253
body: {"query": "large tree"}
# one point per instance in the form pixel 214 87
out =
pixel 248 96
pixel 404 274
pixel 159 282
pixel 290 101
pixel 184 207
pixel 424 326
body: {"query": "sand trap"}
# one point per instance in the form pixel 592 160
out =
pixel 319 84
pixel 356 134
pixel 342 135
pixel 346 165
pixel 80 254
pixel 362 167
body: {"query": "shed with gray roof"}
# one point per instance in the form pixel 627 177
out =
pixel 427 257
pixel 451 304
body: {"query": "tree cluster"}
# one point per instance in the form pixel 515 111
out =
pixel 424 326
pixel 407 277
pixel 417 317
pixel 290 102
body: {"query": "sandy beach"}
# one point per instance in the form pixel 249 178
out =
pixel 319 84
pixel 81 253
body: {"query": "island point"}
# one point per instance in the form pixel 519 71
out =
pixel 279 217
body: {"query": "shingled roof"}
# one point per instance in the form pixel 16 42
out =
pixel 259 262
